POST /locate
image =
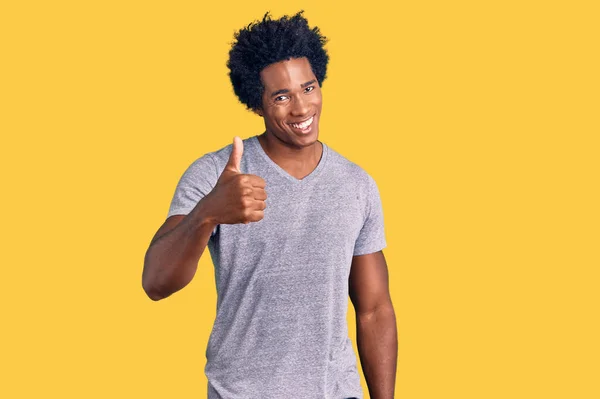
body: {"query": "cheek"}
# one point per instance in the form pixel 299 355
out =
pixel 318 100
pixel 279 116
pixel 275 119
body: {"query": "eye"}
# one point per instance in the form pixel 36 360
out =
pixel 280 98
pixel 309 89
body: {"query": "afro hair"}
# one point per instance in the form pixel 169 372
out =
pixel 265 42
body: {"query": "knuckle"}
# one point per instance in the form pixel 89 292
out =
pixel 246 202
pixel 243 179
pixel 238 180
pixel 247 213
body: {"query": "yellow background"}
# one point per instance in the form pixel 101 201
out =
pixel 478 120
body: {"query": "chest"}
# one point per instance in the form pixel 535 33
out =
pixel 327 212
pixel 301 226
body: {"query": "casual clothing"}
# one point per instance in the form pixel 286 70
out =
pixel 282 282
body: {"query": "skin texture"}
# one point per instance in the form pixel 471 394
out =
pixel 292 94
pixel 377 338
pixel 240 197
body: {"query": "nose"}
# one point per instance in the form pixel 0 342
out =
pixel 300 105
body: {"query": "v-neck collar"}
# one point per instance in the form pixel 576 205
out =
pixel 312 175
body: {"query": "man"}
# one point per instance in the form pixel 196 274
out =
pixel 285 263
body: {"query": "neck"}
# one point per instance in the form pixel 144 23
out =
pixel 287 153
pixel 297 161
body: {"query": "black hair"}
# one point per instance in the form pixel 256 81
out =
pixel 265 42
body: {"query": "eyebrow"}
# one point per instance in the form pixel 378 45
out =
pixel 284 91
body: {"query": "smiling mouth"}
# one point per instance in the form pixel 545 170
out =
pixel 303 125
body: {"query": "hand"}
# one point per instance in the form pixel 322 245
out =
pixel 237 197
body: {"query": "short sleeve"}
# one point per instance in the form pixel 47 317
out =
pixel 197 181
pixel 372 235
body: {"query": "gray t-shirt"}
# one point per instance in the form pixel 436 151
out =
pixel 282 282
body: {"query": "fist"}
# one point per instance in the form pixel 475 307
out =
pixel 237 197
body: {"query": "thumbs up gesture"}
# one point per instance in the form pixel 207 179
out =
pixel 237 197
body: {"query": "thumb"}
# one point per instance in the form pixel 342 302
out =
pixel 236 155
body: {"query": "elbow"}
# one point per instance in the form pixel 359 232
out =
pixel 154 289
pixel 149 282
pixel 160 285
pixel 153 294
pixel 151 289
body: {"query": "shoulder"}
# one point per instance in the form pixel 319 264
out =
pixel 349 170
pixel 221 156
pixel 203 166
pixel 214 161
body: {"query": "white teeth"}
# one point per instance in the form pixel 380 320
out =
pixel 303 125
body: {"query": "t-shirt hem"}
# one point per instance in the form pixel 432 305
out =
pixel 370 249
pixel 179 211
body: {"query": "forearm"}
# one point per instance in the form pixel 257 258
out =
pixel 377 342
pixel 172 259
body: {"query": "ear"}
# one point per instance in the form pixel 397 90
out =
pixel 258 111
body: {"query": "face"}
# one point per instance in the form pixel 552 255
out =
pixel 291 102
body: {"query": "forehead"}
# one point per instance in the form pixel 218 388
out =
pixel 287 74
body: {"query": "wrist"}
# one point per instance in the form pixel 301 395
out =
pixel 203 213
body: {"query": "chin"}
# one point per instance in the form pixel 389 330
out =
pixel 307 140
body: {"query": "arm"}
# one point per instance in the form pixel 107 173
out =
pixel 172 257
pixel 376 332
